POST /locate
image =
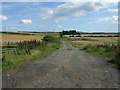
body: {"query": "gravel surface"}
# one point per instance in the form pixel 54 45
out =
pixel 67 67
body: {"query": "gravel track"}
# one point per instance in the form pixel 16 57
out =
pixel 67 67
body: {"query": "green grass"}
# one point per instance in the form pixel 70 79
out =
pixel 109 48
pixel 12 60
pixel 111 53
pixel 103 50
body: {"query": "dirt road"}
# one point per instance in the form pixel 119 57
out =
pixel 68 67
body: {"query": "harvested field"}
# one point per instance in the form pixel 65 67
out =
pixel 94 35
pixel 19 38
pixel 94 40
pixel 83 35
pixel 82 39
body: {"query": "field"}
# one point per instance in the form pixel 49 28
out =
pixel 31 46
pixel 107 47
pixel 23 36
pixel 20 38
pixel 95 35
pixel 31 33
pixel 22 48
pixel 83 41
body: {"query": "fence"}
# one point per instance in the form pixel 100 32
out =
pixel 8 48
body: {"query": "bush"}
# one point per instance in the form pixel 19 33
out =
pixel 28 44
pixel 51 39
pixel 48 38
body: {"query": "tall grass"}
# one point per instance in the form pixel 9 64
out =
pixel 110 51
pixel 117 54
pixel 30 50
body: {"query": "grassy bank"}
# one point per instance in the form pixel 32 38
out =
pixel 111 52
pixel 106 47
pixel 30 50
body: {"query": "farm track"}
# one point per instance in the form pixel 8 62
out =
pixel 67 67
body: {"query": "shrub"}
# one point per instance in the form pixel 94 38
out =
pixel 48 38
pixel 51 39
pixel 28 44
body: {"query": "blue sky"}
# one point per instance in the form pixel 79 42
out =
pixel 58 16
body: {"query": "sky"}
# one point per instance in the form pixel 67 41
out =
pixel 58 16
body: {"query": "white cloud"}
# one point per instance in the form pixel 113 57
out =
pixel 90 0
pixel 13 28
pixel 58 0
pixel 3 17
pixel 112 10
pixel 113 19
pixel 59 26
pixel 25 21
pixel 73 9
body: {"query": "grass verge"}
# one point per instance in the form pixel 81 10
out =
pixel 30 50
pixel 111 52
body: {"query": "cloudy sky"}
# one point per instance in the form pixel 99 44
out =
pixel 57 16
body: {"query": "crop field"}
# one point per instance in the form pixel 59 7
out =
pixel 19 38
pixel 95 35
pixel 9 40
pixel 23 36
pixel 31 33
pixel 83 41
pixel 83 35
